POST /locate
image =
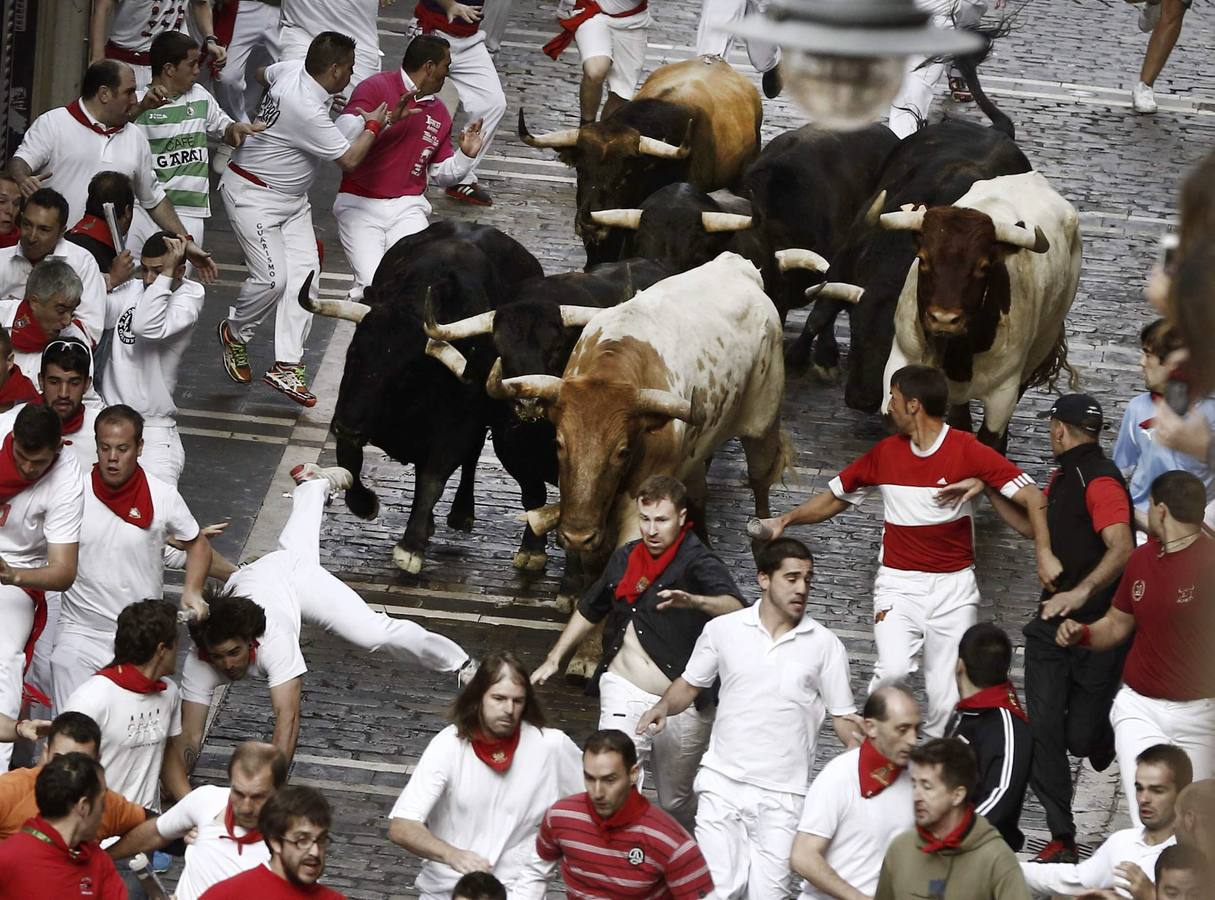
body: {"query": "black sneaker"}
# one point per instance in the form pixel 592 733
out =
pixel 470 193
pixel 772 82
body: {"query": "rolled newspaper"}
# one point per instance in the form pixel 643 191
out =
pixel 112 220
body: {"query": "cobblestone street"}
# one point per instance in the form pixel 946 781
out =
pixel 1063 76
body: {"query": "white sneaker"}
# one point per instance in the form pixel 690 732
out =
pixel 221 157
pixel 1143 100
pixel 1149 15
pixel 339 479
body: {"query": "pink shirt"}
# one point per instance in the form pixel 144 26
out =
pixel 397 163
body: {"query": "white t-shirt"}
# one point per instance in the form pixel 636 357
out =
pixel 135 729
pixel 467 804
pixel 860 829
pixel 74 153
pixel 15 272
pixel 1097 872
pixel 773 696
pixel 152 329
pixel 356 18
pixel 267 583
pixel 211 858
pixel 47 512
pixel 82 443
pixel 137 23
pixel 121 563
pixel 299 134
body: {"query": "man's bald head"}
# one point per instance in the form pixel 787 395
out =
pixel 1196 816
pixel 892 722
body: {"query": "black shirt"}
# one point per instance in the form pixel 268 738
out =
pixel 668 635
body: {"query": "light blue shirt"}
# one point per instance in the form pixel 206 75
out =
pixel 1137 451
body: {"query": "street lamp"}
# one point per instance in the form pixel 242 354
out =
pixel 844 60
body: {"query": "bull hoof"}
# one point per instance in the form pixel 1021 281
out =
pixel 825 374
pixel 363 503
pixel 566 603
pixel 797 358
pixel 461 521
pixel 407 561
pixel 530 562
pixel 581 667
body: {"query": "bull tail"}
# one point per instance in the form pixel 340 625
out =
pixel 968 64
pixel 1053 366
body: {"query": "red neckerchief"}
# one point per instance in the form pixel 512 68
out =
pixel 206 657
pixel 129 678
pixel 585 9
pixel 497 753
pixel 11 482
pixel 630 812
pixel 18 389
pixel 72 425
pixel 644 569
pixel 951 841
pixel 876 771
pixel 96 228
pixel 430 21
pixel 250 837
pixel 131 502
pixel 10 238
pixel 998 696
pixel 76 111
pixel 26 333
pixel 44 831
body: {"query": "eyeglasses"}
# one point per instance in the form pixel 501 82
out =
pixel 303 844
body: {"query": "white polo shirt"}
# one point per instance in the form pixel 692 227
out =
pixel 152 329
pixel 15 273
pixel 137 23
pixel 82 443
pixel 212 857
pixel 860 829
pixel 299 134
pixel 121 563
pixel 73 153
pixel 48 512
pixel 356 18
pixel 267 583
pixel 773 696
pixel 1097 872
pixel 135 729
pixel 467 804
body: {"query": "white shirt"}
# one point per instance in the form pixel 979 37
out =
pixel 47 512
pixel 135 728
pixel 1097 872
pixel 299 134
pixel 137 23
pixel 121 563
pixel 267 583
pixel 82 443
pixel 211 858
pixel 356 18
pixel 467 804
pixel 74 153
pixel 860 829
pixel 773 696
pixel 152 329
pixel 15 272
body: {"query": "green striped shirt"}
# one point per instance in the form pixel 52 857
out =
pixel 177 134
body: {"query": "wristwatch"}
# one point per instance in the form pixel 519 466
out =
pixel 210 39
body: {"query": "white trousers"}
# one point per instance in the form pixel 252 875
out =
pixel 928 611
pixel 497 15
pixel 476 81
pixel 1140 722
pixel 40 674
pixel 746 836
pixel 16 620
pixel 293 44
pixel 914 98
pixel 163 454
pixel 713 40
pixel 326 601
pixel 368 227
pixel 79 653
pixel 621 40
pixel 256 25
pixel 674 755
pixel 275 232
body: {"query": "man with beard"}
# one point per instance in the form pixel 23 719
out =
pixel 295 826
pixel 227 841
pixel 859 802
pixel 780 672
pixel 477 795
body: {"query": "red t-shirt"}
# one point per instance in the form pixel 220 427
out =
pixel 32 869
pixel 650 856
pixel 1170 596
pixel 920 535
pixel 263 884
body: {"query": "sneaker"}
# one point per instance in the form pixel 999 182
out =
pixel 1149 15
pixel 161 862
pixel 466 672
pixel 236 355
pixel 470 193
pixel 772 83
pixel 339 479
pixel 959 91
pixel 290 380
pixel 1143 98
pixel 221 157
pixel 1059 850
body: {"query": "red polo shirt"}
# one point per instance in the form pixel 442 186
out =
pixel 34 867
pixel 261 883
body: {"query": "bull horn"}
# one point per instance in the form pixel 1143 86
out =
pixel 910 220
pixel 797 258
pixel 448 355
pixel 836 290
pixel 654 147
pixel 720 221
pixel 566 137
pixel 1021 236
pixel 665 403
pixel 493 382
pixel 543 519
pixel 482 323
pixel 532 387
pixel 875 209
pixel 577 316
pixel 618 218
pixel 350 310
